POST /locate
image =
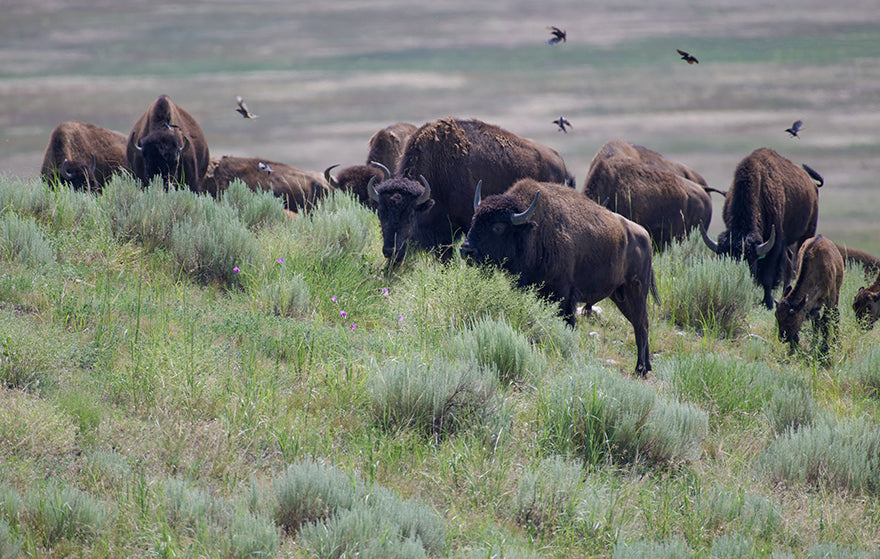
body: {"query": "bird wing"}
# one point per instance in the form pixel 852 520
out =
pixel 681 52
pixel 797 125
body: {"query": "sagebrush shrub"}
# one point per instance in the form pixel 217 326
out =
pixel 548 494
pixel 66 513
pixel 255 209
pixel 789 408
pixel 10 546
pixel 26 197
pixel 22 240
pixel 288 297
pixel 498 345
pixel 309 492
pixel 673 548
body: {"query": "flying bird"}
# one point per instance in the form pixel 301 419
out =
pixel 558 35
pixel 687 57
pixel 264 167
pixel 795 128
pixel 243 110
pixel 562 122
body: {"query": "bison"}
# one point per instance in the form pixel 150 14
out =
pixel 298 189
pixel 816 289
pixel 621 148
pixel 866 304
pixel 386 148
pixel 167 141
pixel 666 204
pixel 870 263
pixel 448 157
pixel 771 208
pixel 83 155
pixel 575 250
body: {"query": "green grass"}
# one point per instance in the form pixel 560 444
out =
pixel 181 413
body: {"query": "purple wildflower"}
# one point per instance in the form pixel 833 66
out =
pixel 342 314
pixel 384 291
pixel 354 326
pixel 235 270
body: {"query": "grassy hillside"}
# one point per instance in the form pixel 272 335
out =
pixel 186 377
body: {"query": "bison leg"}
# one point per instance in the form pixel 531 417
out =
pixel 632 300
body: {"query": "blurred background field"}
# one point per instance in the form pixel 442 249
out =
pixel 325 75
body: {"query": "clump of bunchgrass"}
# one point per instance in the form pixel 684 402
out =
pixel 599 416
pixel 65 512
pixel 673 548
pixel 255 209
pixel 498 345
pixel 33 427
pixel 701 291
pixel 10 545
pixel 85 412
pixel 22 240
pixel 436 398
pixel 864 373
pixel 548 494
pixel 789 408
pixel 288 297
pixel 308 492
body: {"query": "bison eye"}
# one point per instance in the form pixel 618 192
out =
pixel 499 228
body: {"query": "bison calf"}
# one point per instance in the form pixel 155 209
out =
pixel 866 305
pixel 574 249
pixel 816 290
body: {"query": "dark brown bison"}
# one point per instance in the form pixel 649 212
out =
pixel 866 304
pixel 83 155
pixel 770 209
pixel 667 205
pixel 816 290
pixel 298 189
pixel 850 255
pixel 386 149
pixel 577 251
pixel 429 201
pixel 621 148
pixel 167 141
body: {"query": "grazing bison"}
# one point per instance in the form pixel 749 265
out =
pixel 168 142
pixel 856 256
pixel 448 157
pixel 665 204
pixel 83 155
pixel 817 289
pixel 386 148
pixel 297 188
pixel 621 148
pixel 770 209
pixel 574 249
pixel 866 304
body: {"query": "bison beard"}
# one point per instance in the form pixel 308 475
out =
pixel 601 254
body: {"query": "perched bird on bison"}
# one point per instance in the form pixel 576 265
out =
pixel 298 189
pixel 386 149
pixel 83 155
pixel 687 57
pixel 770 210
pixel 816 290
pixel 562 122
pixel 429 201
pixel 558 35
pixel 242 108
pixel 575 250
pixel 167 141
pixel 795 128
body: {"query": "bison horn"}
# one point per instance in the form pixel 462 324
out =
pixel 64 171
pixel 371 190
pixel 477 197
pixel 94 163
pixel 185 145
pixel 383 167
pixel 522 218
pixel 138 145
pixel 426 195
pixel 329 178
pixel 765 247
pixel 709 242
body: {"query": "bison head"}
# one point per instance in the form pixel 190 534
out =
pixel 866 306
pixel 750 247
pixel 80 175
pixel 161 152
pixel 499 231
pixel 354 179
pixel 399 203
pixel 790 315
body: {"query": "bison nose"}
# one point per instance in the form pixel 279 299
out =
pixel 466 250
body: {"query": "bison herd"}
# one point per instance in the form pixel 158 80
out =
pixel 575 244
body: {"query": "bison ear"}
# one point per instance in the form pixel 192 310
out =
pixel 426 205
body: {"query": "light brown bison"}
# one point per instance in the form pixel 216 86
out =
pixel 815 294
pixel 298 189
pixel 771 208
pixel 667 205
pixel 83 155
pixel 851 255
pixel 621 148
pixel 448 157
pixel 386 149
pixel 167 141
pixel 550 236
pixel 866 304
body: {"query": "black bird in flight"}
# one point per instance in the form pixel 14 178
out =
pixel 264 167
pixel 243 110
pixel 558 35
pixel 795 128
pixel 687 57
pixel 562 122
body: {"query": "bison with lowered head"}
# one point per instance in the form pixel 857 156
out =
pixel 664 202
pixel 574 249
pixel 429 201
pixel 772 207
pixel 298 189
pixel 816 290
pixel 83 155
pixel 386 149
pixel 866 304
pixel 167 141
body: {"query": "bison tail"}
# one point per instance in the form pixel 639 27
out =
pixel 653 288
